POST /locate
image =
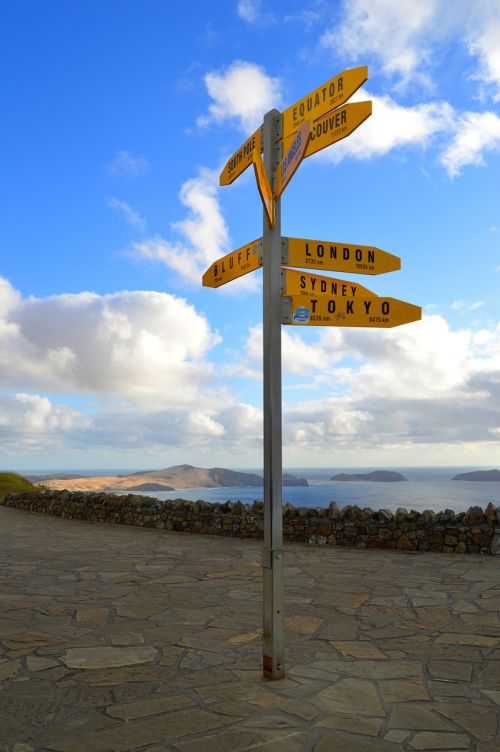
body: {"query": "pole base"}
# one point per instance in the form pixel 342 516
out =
pixel 270 672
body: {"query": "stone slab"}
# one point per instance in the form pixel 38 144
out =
pixel 351 693
pixel 125 737
pixel 402 690
pixel 244 741
pixel 434 740
pixel 108 657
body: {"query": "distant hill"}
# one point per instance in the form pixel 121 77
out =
pixel 172 478
pixel 13 483
pixel 484 475
pixel 52 476
pixel 148 487
pixel 380 476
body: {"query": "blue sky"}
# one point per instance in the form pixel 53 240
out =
pixel 117 119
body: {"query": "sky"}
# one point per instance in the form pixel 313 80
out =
pixel 117 118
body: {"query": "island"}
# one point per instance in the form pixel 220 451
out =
pixel 481 475
pixel 379 476
pixel 175 478
pixel 292 480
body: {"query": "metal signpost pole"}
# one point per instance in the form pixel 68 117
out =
pixel 286 140
pixel 273 643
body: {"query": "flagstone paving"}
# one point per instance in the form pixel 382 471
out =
pixel 118 639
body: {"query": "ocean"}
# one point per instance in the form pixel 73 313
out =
pixel 426 488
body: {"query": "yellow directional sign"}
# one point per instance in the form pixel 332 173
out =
pixel 379 313
pixel 241 159
pixel 337 257
pixel 264 187
pixel 324 99
pixel 294 282
pixel 334 127
pixel 235 264
pixel 293 157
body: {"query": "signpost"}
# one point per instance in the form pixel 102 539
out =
pixel 299 298
pixel 292 158
pixel 264 187
pixel 236 264
pixel 324 99
pixel 337 257
pixel 241 159
pixel 303 283
pixel 374 312
pixel 334 127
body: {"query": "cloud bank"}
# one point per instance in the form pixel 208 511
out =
pixel 137 371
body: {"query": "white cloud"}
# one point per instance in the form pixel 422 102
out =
pixel 419 360
pixel 475 305
pixel 131 370
pixel 144 345
pixel 463 139
pixel 392 126
pixel 130 215
pixel 249 10
pixel 483 38
pixel 244 93
pixel 457 305
pixel 204 234
pixel 126 164
pixel 409 37
pixel 397 32
pixel 411 385
pixel 299 358
pixel 204 230
pixel 421 383
pixel 31 414
pixel 424 360
pixel 476 133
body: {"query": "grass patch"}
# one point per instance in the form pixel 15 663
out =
pixel 14 483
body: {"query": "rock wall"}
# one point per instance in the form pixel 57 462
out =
pixel 476 531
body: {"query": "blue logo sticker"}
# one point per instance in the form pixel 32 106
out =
pixel 301 315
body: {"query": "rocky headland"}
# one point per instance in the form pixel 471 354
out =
pixel 177 477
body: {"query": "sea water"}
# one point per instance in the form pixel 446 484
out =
pixel 426 488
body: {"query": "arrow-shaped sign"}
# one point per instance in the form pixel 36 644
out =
pixel 293 157
pixel 264 187
pixel 377 313
pixel 327 255
pixel 294 282
pixel 334 127
pixel 326 98
pixel 241 159
pixel 233 265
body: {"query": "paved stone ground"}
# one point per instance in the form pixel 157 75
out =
pixel 115 638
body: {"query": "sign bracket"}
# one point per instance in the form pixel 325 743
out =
pixel 286 309
pixel 284 251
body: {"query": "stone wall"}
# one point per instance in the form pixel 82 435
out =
pixel 476 531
